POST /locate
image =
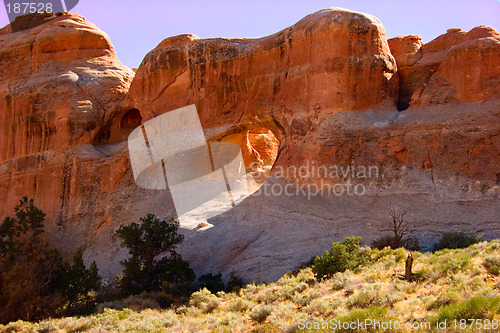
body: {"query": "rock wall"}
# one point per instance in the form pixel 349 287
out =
pixel 324 92
pixel 458 66
pixel 60 81
pixel 330 61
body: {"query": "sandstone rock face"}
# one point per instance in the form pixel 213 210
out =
pixel 333 60
pixel 430 73
pixel 314 106
pixel 59 81
pixel 259 147
pixel 407 50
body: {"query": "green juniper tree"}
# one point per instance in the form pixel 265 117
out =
pixel 35 283
pixel 80 285
pixel 29 268
pixel 154 263
pixel 341 257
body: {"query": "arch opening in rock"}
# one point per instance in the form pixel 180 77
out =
pixel 120 127
pixel 259 148
pixel 130 120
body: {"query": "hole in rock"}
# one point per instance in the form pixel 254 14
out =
pixel 259 148
pixel 120 127
pixel 404 97
pixel 130 121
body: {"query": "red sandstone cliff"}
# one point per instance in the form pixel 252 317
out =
pixel 59 83
pixel 457 66
pixel 327 88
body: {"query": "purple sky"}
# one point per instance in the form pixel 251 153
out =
pixel 136 27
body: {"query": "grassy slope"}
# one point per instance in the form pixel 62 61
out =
pixel 453 284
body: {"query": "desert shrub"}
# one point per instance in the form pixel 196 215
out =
pixel 378 314
pixel 392 296
pixel 380 254
pixel 46 327
pixel 285 288
pixel 456 240
pixel 446 298
pixel 266 328
pixel 476 283
pixel 138 302
pixel 339 281
pixel 302 299
pixel 421 275
pixel 261 312
pixel 224 322
pixel 268 295
pixel 305 298
pixel 169 318
pixel 341 257
pixel 286 279
pixel 400 255
pixel 492 265
pixel 282 316
pixel 239 305
pixel 446 263
pixel 412 244
pixel 389 263
pixel 204 300
pixel 234 283
pixel 183 309
pixel 373 295
pixel 318 307
pixel 492 246
pixel 478 307
pixel 365 297
pixel 252 290
pixel 290 290
pixel 306 275
pixel 211 282
pixel 154 263
pixel 454 265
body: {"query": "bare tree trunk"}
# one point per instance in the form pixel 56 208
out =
pixel 399 227
pixel 409 264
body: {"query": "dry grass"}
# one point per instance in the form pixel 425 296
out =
pixel 451 284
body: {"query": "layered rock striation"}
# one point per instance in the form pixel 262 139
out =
pixel 312 106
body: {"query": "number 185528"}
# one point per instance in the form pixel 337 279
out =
pixel 29 7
